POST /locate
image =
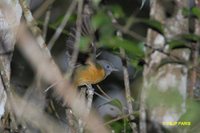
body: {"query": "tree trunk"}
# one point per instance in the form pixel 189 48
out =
pixel 10 15
pixel 164 83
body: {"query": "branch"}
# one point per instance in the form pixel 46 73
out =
pixel 125 29
pixel 126 80
pixel 31 113
pixel 45 5
pixel 33 27
pixel 77 38
pixel 117 119
pixel 46 22
pixel 10 19
pixel 142 122
pixel 62 25
pixel 127 89
pixel 193 27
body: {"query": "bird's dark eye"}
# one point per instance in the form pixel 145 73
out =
pixel 107 66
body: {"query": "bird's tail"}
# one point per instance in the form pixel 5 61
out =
pixel 87 33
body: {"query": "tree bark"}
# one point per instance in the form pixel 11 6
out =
pixel 10 15
pixel 169 77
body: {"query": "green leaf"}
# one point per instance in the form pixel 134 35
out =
pixel 84 43
pixel 59 20
pixel 53 27
pixel 181 41
pixel 186 12
pixel 106 31
pixel 137 63
pixel 117 103
pixel 120 125
pixel 100 19
pixel 153 24
pixel 196 12
pixel 117 11
pixel 190 37
pixel 131 47
pixel 171 61
pixel 177 44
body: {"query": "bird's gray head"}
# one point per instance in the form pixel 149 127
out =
pixel 108 67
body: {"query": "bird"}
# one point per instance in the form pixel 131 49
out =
pixel 89 70
pixel 92 73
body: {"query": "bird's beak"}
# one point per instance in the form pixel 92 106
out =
pixel 115 69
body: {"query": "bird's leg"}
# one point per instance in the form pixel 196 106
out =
pixel 89 87
pixel 83 92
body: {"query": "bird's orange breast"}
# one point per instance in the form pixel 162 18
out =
pixel 89 74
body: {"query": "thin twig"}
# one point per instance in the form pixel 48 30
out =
pixel 46 22
pixel 34 115
pixel 125 29
pixel 70 120
pixel 6 53
pixel 33 26
pixel 193 28
pixel 102 97
pixel 12 11
pixel 103 92
pixel 62 25
pixel 85 28
pixel 6 85
pixel 90 94
pixel 76 51
pixel 45 5
pixel 142 122
pixel 80 122
pixel 129 32
pixel 77 38
pixel 74 57
pixel 141 38
pixel 117 119
pixel 127 89
pixel 192 72
pixel 126 79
